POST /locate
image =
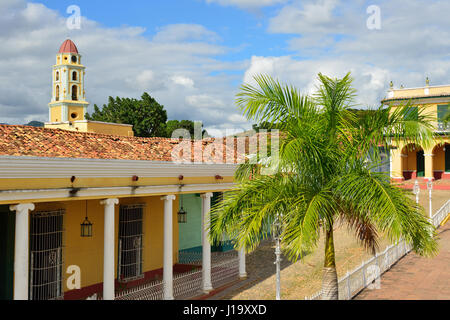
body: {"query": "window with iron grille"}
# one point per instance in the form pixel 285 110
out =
pixel 46 255
pixel 130 242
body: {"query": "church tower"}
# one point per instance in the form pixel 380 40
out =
pixel 68 105
pixel 68 102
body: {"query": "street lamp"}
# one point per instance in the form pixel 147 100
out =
pixel 276 234
pixel 430 189
pixel 416 191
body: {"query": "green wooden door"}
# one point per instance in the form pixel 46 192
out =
pixel 420 164
pixel 7 226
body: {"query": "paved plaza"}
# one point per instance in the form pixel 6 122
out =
pixel 415 277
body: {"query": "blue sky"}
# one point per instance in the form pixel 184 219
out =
pixel 193 55
pixel 242 30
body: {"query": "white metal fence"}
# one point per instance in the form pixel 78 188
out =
pixel 369 273
pixel 441 214
pixel 224 269
pixel 149 291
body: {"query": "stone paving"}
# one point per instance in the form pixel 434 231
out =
pixel 415 277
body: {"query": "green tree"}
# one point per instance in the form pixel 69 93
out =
pixel 188 125
pixel 321 176
pixel 146 115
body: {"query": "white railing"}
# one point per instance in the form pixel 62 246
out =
pixel 369 273
pixel 187 285
pixel 443 127
pixel 190 257
pixel 224 269
pixel 149 291
pixel 441 214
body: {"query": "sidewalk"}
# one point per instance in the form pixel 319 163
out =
pixel 415 277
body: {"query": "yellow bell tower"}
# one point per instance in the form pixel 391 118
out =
pixel 68 105
pixel 68 102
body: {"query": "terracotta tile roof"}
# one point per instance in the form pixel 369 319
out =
pixel 16 140
pixel 68 47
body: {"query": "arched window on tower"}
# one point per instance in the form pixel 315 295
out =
pixel 57 75
pixel 74 75
pixel 57 93
pixel 74 93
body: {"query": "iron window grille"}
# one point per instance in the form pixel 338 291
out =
pixel 130 242
pixel 46 255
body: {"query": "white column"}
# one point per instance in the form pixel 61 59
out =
pixel 206 245
pixel 21 250
pixel 108 249
pixel 168 247
pixel 242 271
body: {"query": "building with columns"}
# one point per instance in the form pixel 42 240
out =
pixel 409 161
pixel 56 184
pixel 89 211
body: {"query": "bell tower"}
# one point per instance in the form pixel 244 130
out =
pixel 68 101
pixel 68 105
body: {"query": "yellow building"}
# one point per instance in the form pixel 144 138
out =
pixel 86 209
pixel 415 161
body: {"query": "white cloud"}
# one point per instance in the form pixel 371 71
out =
pixel 175 64
pixel 204 101
pixel 305 16
pixel 332 35
pixel 183 81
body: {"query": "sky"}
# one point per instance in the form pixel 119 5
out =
pixel 192 56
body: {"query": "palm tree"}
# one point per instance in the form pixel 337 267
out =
pixel 323 175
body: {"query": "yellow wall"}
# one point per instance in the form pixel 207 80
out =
pixel 406 93
pixel 87 253
pixel 410 161
pixel 110 128
pixel 93 127
pixel 78 110
pixel 439 158
pixel 55 113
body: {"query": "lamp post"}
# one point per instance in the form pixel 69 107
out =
pixel 416 191
pixel 276 233
pixel 430 189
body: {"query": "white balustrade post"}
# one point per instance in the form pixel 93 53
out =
pixel 206 245
pixel 363 267
pixel 21 250
pixel 108 248
pixel 242 271
pixel 168 247
pixel 349 293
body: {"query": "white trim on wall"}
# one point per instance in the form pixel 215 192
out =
pixel 73 194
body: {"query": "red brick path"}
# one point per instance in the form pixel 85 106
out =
pixel 415 277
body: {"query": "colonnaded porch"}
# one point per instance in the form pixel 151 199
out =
pixel 412 162
pixel 49 273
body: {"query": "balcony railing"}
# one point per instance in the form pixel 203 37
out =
pixel 443 127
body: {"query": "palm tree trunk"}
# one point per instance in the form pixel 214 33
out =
pixel 330 281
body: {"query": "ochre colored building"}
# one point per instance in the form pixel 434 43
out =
pixel 416 161
pixel 86 209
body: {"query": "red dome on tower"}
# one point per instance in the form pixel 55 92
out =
pixel 68 47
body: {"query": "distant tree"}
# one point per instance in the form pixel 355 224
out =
pixel 265 126
pixel 188 125
pixel 35 124
pixel 146 115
